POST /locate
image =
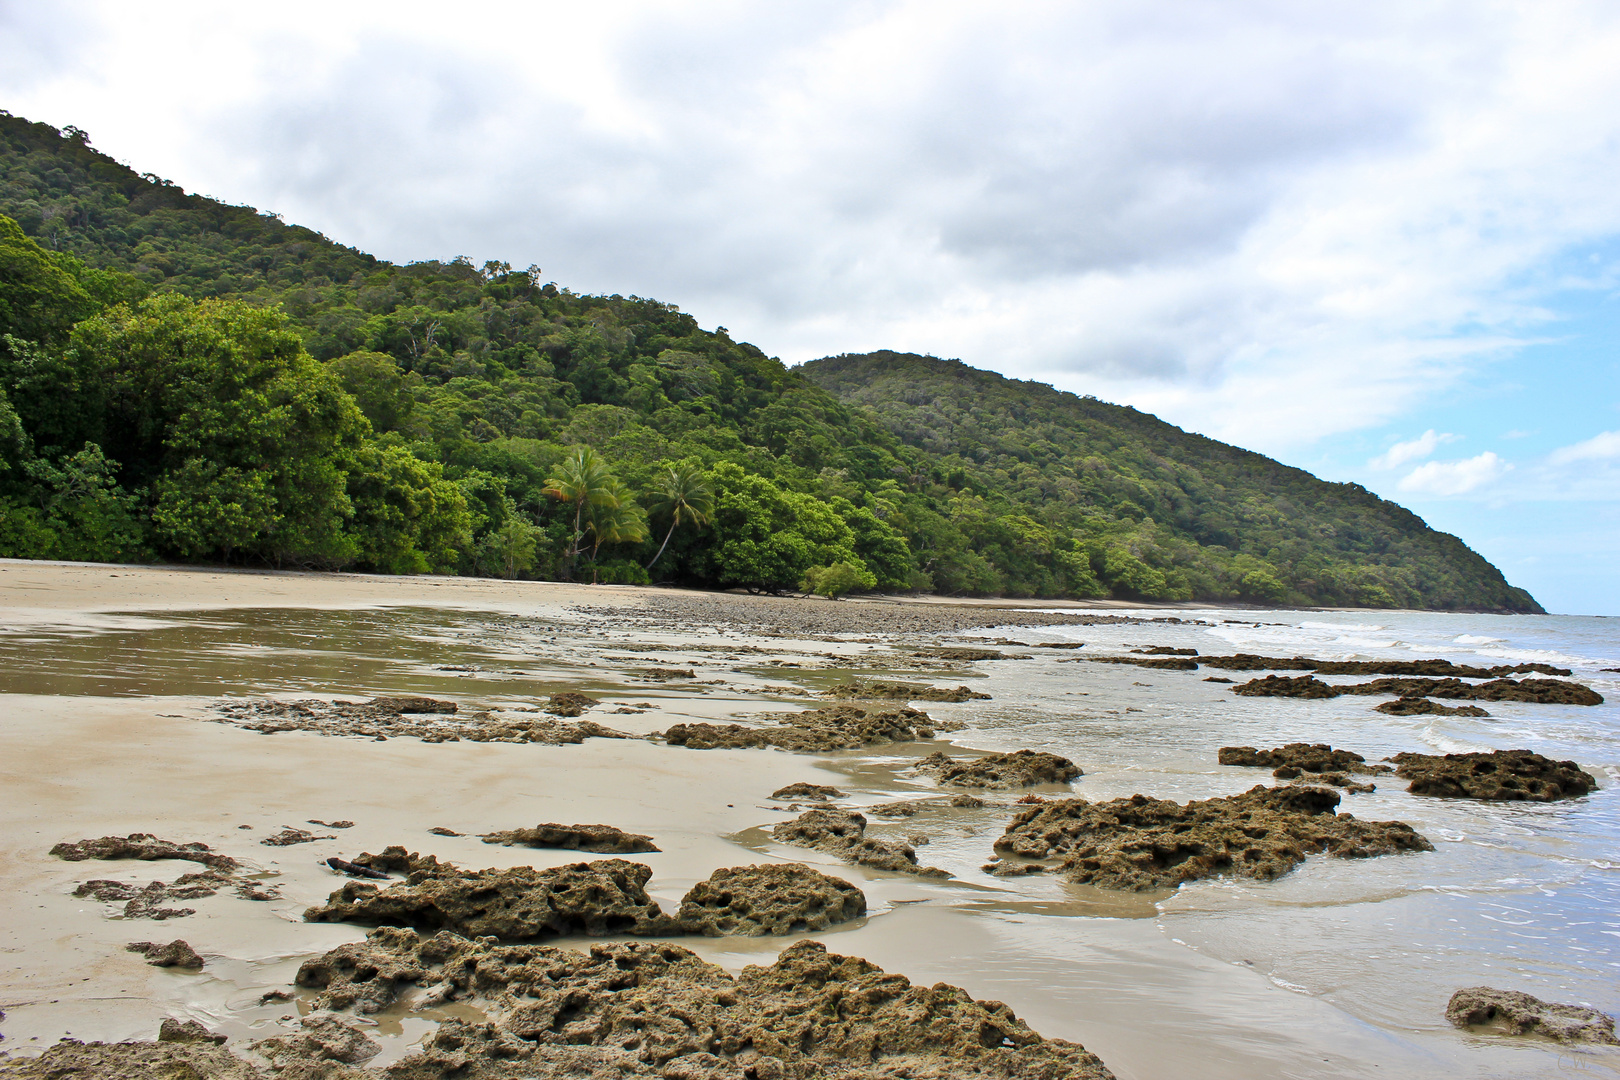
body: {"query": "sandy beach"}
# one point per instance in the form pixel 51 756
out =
pixel 112 727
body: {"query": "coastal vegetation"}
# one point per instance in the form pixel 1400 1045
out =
pixel 186 380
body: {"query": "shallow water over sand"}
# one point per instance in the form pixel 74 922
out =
pixel 1341 968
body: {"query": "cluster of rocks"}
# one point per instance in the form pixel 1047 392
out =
pixel 835 727
pixel 608 896
pixel 1141 843
pixel 598 839
pixel 1021 768
pixel 1499 776
pixel 803 790
pixel 177 953
pixel 150 900
pixel 843 833
pixel 632 1011
pixel 1312 762
pixel 965 653
pixel 1420 706
pixel 1189 660
pixel 428 719
pixel 1496 776
pixel 1540 691
pixel 877 690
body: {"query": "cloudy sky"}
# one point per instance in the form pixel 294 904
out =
pixel 1380 241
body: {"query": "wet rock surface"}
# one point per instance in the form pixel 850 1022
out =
pixel 843 833
pixel 1538 691
pixel 806 791
pixel 177 953
pixel 1303 757
pixel 289 836
pixel 321 1037
pixel 1513 1013
pixel 1142 843
pixel 1163 663
pixel 1500 776
pixel 163 1059
pixel 372 720
pixel 149 901
pixel 963 653
pixel 877 690
pixel 600 839
pixel 655 1009
pixel 515 904
pixel 1021 768
pixel 1418 706
pixel 775 898
pixel 143 846
pixel 835 727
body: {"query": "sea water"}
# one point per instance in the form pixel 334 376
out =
pixel 1522 896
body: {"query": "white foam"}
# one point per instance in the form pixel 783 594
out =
pixel 1476 639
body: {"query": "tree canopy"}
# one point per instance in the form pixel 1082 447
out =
pixel 183 379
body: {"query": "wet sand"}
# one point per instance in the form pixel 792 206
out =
pixel 84 759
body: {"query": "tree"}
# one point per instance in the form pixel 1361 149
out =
pixel 684 493
pixel 616 519
pixel 39 300
pixel 835 580
pixel 584 480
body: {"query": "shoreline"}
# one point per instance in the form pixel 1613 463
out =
pixel 121 760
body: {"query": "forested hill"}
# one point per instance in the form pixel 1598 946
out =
pixel 1099 467
pixel 186 380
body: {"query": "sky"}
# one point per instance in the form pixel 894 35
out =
pixel 1376 240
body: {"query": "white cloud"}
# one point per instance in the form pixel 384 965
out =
pixel 1454 477
pixel 1268 222
pixel 1416 449
pixel 1601 447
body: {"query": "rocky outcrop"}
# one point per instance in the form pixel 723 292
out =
pixel 1435 669
pixel 364 976
pixel 806 791
pixel 320 1037
pixel 1540 691
pixel 176 953
pixel 161 1059
pixel 381 718
pixel 835 727
pixel 964 653
pixel 143 846
pixel 1021 768
pixel 843 833
pixel 600 839
pixel 1298 686
pixel 1163 663
pixel 1500 776
pixel 753 901
pixel 515 904
pixel 648 1010
pixel 1513 1013
pixel 875 690
pixel 1418 706
pixel 1141 843
pixel 1301 757
pixel 187 1031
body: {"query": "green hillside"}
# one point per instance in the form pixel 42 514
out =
pixel 186 380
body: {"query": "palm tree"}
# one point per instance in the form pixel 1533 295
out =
pixel 683 492
pixel 618 522
pixel 585 480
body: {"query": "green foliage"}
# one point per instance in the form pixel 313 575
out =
pixel 835 580
pixel 281 398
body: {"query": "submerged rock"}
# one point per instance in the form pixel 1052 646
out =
pixel 835 727
pixel 1302 757
pixel 648 1010
pixel 1539 691
pixel 177 953
pixel 753 901
pixel 1141 843
pixel 515 904
pixel 806 791
pixel 1418 706
pixel 142 846
pixel 1021 768
pixel 1165 663
pixel 963 652
pixel 601 839
pixel 843 833
pixel 877 690
pixel 1500 776
pixel 1513 1013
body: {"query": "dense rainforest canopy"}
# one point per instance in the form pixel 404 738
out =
pixel 185 380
